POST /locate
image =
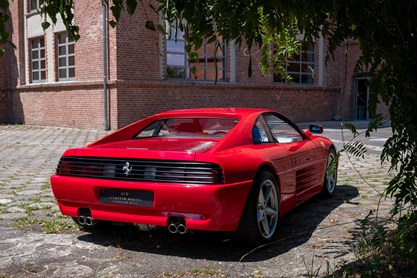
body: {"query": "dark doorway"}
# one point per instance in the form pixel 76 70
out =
pixel 362 93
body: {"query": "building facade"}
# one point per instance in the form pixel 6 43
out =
pixel 49 79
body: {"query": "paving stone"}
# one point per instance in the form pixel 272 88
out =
pixel 5 201
pixel 13 215
pixel 29 192
pixel 41 205
pixel 15 210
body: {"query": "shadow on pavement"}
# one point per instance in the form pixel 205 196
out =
pixel 295 229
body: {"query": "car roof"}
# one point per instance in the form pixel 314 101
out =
pixel 217 112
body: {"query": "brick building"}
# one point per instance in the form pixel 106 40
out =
pixel 50 80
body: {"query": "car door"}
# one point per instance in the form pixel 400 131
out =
pixel 307 172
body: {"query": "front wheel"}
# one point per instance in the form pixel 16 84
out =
pixel 259 221
pixel 330 177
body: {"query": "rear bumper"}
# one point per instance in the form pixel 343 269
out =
pixel 211 207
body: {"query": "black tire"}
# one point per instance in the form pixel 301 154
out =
pixel 330 179
pixel 260 218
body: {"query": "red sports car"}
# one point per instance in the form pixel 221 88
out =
pixel 216 169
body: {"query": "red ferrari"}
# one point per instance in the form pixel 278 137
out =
pixel 216 169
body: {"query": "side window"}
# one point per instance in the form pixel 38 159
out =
pixel 281 130
pixel 259 134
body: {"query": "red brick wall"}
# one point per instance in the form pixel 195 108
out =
pixel 80 104
pixel 88 49
pixel 3 70
pixel 4 101
pixel 138 49
pixel 14 58
pixel 139 99
pixel 11 65
pixel 71 105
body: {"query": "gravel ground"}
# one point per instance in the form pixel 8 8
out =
pixel 36 241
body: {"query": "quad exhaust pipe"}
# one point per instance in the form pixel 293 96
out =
pixel 86 221
pixel 177 225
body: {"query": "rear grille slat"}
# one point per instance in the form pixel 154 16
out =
pixel 141 170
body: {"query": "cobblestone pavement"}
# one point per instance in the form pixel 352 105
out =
pixel 36 241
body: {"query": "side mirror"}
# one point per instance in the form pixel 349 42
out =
pixel 318 129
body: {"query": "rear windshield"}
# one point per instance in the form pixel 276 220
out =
pixel 188 127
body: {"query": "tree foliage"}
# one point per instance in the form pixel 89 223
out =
pixel 4 17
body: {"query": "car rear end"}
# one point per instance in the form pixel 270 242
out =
pixel 161 189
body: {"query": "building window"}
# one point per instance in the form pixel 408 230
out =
pixel 65 57
pixel 180 67
pixel 300 67
pixel 37 60
pixel 35 4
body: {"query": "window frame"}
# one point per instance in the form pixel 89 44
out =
pixel 34 5
pixel 295 129
pixel 39 49
pixel 67 56
pixel 271 138
pixel 154 128
pixel 187 64
pixel 300 63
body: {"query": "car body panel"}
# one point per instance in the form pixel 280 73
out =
pixel 299 168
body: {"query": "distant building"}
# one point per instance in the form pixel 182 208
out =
pixel 48 79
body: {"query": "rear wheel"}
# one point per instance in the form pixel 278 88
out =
pixel 330 178
pixel 260 218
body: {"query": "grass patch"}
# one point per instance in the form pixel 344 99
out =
pixel 197 272
pixel 44 226
pixel 384 252
pixel 56 227
pixel 31 206
pixel 45 186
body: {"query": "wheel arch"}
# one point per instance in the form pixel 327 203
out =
pixel 269 168
pixel 332 147
pixel 248 234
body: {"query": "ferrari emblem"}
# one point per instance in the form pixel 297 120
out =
pixel 127 168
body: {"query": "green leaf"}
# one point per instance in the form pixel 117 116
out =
pixel 193 71
pixel 131 6
pixel 4 37
pixel 352 128
pixel 45 25
pixel 333 164
pixel 4 4
pixel 355 148
pixel 153 8
pixel 150 25
pixel 112 23
pixel 193 56
pixel 116 11
pixel 160 29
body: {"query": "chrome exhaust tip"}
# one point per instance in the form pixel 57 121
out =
pixel 181 229
pixel 89 221
pixel 82 220
pixel 172 228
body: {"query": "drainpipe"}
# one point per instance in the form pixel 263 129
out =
pixel 233 62
pixel 106 122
